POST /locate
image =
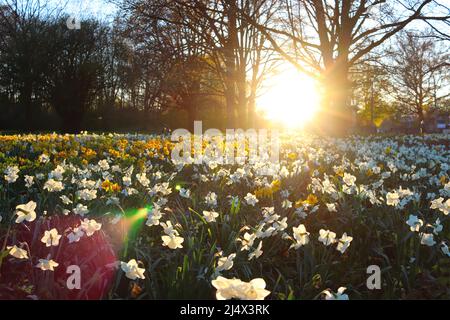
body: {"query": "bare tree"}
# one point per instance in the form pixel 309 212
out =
pixel 418 70
pixel 235 47
pixel 328 38
pixel 23 63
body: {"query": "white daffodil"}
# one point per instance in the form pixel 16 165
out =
pixel 103 164
pixel 126 180
pixel 75 235
pixel 286 204
pixel 301 236
pixel 251 199
pixel 281 225
pixel 427 239
pixel 328 186
pixel 247 241
pixel 442 206
pixel 340 295
pixel 57 173
pixel 226 288
pixel 43 158
pixel 52 185
pixel 143 180
pixel 25 212
pixel 331 207
pixel 446 207
pixel 437 226
pixel 445 250
pixel 225 263
pixel 81 209
pixel 47 265
pixel 185 193
pixel 256 253
pixel 211 199
pixel 169 229
pixel 87 194
pixel 172 241
pixel 29 181
pixel 392 198
pixel 349 179
pixel 210 216
pixel 17 252
pixel 90 226
pixel 236 289
pixel 132 270
pixel 327 237
pixel 154 216
pixel 414 223
pixel 344 243
pixel 65 200
pixel 51 238
pixel 11 174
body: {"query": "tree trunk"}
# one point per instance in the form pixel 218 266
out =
pixel 26 102
pixel 421 118
pixel 336 116
pixel 231 94
pixel 191 108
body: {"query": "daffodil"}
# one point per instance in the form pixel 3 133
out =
pixel 11 174
pixel 51 238
pixel 172 241
pixel 301 236
pixel 211 199
pixel 25 212
pixel 52 185
pixel 414 223
pixel 132 270
pixel 327 237
pixel 225 263
pixel 210 216
pixel 154 216
pixel 339 295
pixel 349 179
pixel 81 209
pixel 392 198
pixel 75 235
pixel 17 252
pixel 47 265
pixel 251 199
pixel 236 289
pixel 87 194
pixel 331 207
pixel 185 193
pixel 90 226
pixel 256 253
pixel 344 243
pixel 65 200
pixel 247 241
pixel 445 250
pixel 427 239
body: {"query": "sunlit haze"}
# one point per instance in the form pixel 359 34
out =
pixel 289 98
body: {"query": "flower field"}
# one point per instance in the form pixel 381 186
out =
pixel 139 226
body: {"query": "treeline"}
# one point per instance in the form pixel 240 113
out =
pixel 169 62
pixel 53 77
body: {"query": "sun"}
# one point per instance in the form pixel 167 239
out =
pixel 289 97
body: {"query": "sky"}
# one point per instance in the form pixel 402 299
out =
pixel 97 8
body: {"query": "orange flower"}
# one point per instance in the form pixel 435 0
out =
pixel 109 186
